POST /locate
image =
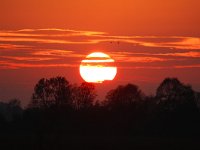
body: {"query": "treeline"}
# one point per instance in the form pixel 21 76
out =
pixel 59 110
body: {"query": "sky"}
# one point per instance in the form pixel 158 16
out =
pixel 149 40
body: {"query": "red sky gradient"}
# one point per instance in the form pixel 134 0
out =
pixel 149 40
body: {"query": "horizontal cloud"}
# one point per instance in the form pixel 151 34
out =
pixel 162 67
pixel 13 46
pixel 140 59
pixel 10 65
pixel 63 47
pixel 63 36
pixel 190 54
pixel 26 58
pixel 184 54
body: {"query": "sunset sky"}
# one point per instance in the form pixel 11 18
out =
pixel 149 40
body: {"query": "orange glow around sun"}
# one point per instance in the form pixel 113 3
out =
pixel 98 67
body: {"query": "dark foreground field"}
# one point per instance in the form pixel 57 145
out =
pixel 50 142
pixel 62 116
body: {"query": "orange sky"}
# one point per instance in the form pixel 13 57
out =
pixel 149 40
pixel 133 17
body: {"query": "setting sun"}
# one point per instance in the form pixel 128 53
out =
pixel 98 67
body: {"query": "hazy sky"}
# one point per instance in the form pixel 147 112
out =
pixel 149 39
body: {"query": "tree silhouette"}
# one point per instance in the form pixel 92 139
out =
pixel 177 108
pixel 125 115
pixel 197 98
pixel 173 94
pixel 124 96
pixel 83 96
pixel 54 91
pixel 11 110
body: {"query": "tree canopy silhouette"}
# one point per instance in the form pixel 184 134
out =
pixel 61 114
pixel 83 96
pixel 59 92
pixel 173 94
pixel 124 96
pixel 53 91
pixel 11 110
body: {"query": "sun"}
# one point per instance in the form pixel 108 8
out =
pixel 98 67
